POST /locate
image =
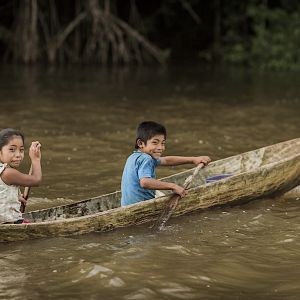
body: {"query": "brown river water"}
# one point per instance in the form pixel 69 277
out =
pixel 86 117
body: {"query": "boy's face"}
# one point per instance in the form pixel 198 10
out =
pixel 155 146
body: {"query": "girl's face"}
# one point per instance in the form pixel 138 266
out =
pixel 13 152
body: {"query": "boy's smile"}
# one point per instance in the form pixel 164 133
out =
pixel 155 146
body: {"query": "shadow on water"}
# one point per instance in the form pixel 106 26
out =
pixel 85 119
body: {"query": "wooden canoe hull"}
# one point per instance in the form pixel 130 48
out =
pixel 263 172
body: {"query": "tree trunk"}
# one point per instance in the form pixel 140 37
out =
pixel 103 38
pixel 114 40
pixel 25 42
pixel 217 31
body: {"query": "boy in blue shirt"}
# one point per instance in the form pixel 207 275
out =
pixel 138 180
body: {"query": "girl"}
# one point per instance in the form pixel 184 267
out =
pixel 11 156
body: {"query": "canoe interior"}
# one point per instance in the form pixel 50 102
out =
pixel 246 162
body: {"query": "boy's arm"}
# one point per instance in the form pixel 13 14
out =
pixel 181 160
pixel 154 184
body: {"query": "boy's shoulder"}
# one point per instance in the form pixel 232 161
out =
pixel 139 155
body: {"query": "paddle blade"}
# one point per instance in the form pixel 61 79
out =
pixel 170 207
pixel 167 212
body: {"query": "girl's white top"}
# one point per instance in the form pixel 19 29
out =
pixel 9 200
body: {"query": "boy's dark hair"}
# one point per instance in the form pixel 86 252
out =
pixel 147 130
pixel 6 135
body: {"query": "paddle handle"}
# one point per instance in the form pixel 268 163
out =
pixel 189 180
pixel 26 193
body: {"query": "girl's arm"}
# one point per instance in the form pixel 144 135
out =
pixel 12 176
pixel 180 160
pixel 154 184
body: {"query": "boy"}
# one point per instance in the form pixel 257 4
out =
pixel 138 179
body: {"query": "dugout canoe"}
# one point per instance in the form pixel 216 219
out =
pixel 263 172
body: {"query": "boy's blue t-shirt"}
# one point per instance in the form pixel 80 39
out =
pixel 138 165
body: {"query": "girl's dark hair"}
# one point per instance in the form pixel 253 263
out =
pixel 147 130
pixel 7 134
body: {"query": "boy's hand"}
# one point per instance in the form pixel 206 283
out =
pixel 179 190
pixel 35 150
pixel 201 159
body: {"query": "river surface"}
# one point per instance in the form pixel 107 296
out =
pixel 86 118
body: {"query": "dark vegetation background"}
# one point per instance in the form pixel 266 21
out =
pixel 262 34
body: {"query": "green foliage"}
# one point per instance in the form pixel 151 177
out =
pixel 274 43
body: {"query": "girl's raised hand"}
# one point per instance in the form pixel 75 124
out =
pixel 35 150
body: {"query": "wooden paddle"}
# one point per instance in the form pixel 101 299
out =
pixel 26 193
pixel 171 205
